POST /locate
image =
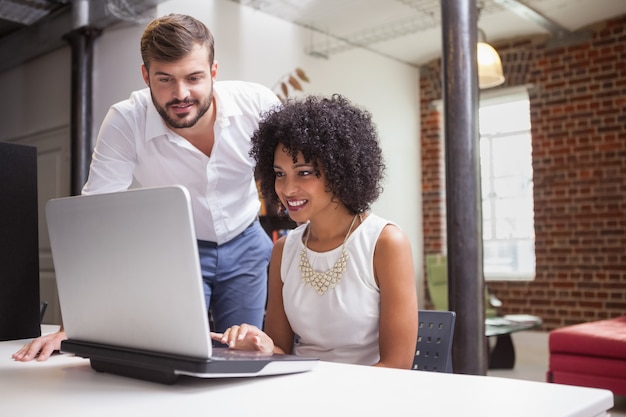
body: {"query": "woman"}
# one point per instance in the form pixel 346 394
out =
pixel 341 285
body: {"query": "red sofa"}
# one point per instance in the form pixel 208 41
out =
pixel 590 354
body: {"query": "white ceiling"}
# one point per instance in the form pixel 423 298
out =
pixel 410 30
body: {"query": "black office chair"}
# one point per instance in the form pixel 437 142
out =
pixel 42 310
pixel 433 351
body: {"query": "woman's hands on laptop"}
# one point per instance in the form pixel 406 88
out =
pixel 245 337
pixel 41 347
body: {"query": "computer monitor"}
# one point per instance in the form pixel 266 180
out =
pixel 19 243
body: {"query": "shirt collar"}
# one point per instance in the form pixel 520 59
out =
pixel 226 105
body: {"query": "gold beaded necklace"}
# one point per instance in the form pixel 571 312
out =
pixel 322 281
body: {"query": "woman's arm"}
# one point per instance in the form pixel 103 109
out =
pixel 276 324
pixel 395 275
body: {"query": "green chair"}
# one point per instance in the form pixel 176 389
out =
pixel 437 282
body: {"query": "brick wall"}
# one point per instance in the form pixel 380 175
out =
pixel 578 114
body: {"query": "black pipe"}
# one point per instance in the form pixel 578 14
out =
pixel 463 201
pixel 81 41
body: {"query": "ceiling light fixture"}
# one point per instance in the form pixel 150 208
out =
pixel 490 72
pixel 489 64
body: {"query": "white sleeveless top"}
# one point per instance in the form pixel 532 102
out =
pixel 342 324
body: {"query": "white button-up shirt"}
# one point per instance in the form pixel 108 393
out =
pixel 135 148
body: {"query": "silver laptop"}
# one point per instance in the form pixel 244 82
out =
pixel 131 293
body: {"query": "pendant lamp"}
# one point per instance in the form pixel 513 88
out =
pixel 489 64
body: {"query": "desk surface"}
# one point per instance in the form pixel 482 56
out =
pixel 67 386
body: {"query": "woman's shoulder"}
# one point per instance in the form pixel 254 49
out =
pixel 389 233
pixel 376 224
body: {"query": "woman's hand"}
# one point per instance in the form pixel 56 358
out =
pixel 245 337
pixel 40 348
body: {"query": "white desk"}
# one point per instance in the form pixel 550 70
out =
pixel 67 386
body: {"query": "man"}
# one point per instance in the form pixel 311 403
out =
pixel 187 129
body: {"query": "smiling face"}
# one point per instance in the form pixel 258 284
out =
pixel 182 91
pixel 301 187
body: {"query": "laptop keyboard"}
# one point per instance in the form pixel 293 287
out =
pixel 226 353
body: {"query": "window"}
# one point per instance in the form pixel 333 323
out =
pixel 507 186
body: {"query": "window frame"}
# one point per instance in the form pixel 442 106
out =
pixel 501 96
pixel 491 97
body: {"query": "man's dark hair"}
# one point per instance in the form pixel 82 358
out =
pixel 172 37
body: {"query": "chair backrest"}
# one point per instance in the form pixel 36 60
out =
pixel 437 281
pixel 433 351
pixel 43 306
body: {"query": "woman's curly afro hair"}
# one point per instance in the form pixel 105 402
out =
pixel 330 132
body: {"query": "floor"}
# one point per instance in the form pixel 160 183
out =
pixel 531 363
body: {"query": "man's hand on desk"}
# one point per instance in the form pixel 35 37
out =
pixel 40 348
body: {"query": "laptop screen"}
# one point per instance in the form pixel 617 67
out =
pixel 128 272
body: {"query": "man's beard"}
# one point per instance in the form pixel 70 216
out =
pixel 203 107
